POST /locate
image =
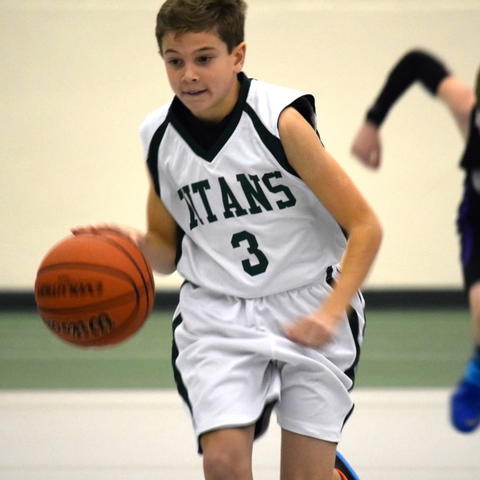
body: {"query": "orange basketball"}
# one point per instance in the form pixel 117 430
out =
pixel 94 289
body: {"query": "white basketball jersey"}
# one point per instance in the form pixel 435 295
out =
pixel 249 226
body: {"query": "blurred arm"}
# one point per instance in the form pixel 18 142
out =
pixel 416 65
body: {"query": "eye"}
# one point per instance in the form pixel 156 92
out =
pixel 174 62
pixel 204 59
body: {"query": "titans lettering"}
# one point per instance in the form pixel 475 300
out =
pixel 260 194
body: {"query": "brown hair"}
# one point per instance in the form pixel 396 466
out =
pixel 227 17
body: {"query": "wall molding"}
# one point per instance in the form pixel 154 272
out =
pixel 401 299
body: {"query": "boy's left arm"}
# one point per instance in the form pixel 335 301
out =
pixel 332 186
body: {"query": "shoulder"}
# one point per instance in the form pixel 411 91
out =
pixel 267 101
pixel 151 123
pixel 460 98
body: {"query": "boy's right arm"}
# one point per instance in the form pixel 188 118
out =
pixel 159 242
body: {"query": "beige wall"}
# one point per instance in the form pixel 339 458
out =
pixel 78 77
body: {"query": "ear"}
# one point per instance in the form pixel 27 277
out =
pixel 238 54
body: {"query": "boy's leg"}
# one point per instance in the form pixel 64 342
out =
pixel 307 458
pixel 227 453
pixel 474 301
pixel 465 404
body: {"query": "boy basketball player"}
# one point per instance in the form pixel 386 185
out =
pixel 257 217
pixel 462 101
pixel 254 213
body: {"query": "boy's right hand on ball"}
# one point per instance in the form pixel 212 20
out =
pixel 133 234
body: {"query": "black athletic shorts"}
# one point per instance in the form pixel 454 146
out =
pixel 468 225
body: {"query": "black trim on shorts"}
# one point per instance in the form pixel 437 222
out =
pixel 354 323
pixel 262 423
pixel 182 390
pixel 347 416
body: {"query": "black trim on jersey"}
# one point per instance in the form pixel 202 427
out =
pixel 273 143
pixel 193 130
pixel 179 240
pixel 152 158
pixel 329 276
pixel 355 329
pixel 182 390
pixel 305 106
pixel 177 111
pixel 471 155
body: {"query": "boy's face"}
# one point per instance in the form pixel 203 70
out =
pixel 201 72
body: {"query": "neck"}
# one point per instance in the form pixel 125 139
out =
pixel 228 104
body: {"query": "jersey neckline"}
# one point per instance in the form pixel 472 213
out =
pixel 234 116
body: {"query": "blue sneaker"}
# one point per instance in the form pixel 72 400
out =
pixel 465 407
pixel 342 466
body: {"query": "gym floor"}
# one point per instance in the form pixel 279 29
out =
pixel 74 413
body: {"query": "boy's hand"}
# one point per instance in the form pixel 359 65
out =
pixel 313 330
pixel 367 146
pixel 135 235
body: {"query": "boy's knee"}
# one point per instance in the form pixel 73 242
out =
pixel 224 464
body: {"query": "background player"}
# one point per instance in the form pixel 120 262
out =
pixel 254 213
pixel 419 65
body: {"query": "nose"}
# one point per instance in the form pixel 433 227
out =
pixel 190 73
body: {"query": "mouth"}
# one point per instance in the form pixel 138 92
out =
pixel 194 93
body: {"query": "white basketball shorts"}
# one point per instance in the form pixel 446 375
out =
pixel 233 363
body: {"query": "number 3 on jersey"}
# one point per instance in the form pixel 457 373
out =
pixel 261 263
